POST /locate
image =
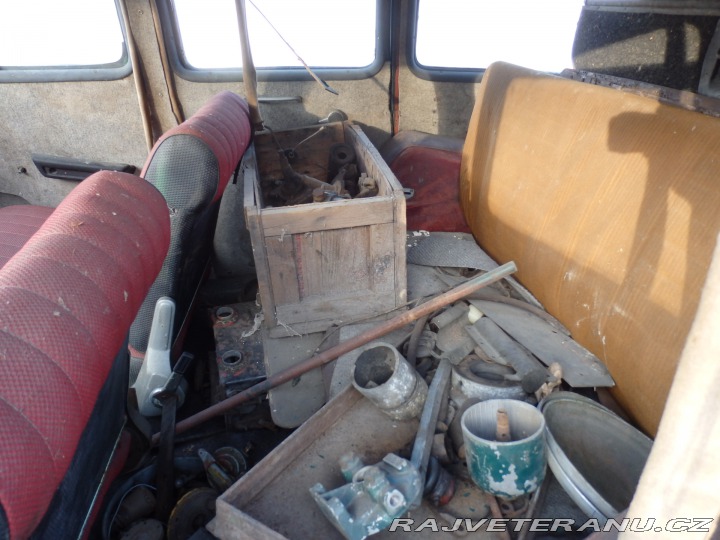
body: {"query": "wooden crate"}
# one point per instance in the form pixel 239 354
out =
pixel 272 501
pixel 320 264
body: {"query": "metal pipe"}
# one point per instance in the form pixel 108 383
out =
pixel 248 67
pixel 412 348
pixel 293 372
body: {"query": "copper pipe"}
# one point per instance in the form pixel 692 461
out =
pixel 293 372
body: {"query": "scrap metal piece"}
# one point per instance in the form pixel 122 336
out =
pixel 383 376
pixel 238 348
pixel 192 512
pixel 458 250
pixel 376 495
pixel 580 367
pixel 420 457
pixel 428 422
pixel 367 187
pixel 313 363
pixel 217 476
pixel 475 378
pixel 501 348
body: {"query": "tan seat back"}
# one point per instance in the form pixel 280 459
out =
pixel 609 203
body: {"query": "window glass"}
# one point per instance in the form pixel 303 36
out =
pixel 473 34
pixel 325 33
pixel 46 33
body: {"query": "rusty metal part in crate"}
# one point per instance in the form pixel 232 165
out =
pixel 442 300
pixel 341 154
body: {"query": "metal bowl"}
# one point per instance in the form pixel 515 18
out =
pixel 596 456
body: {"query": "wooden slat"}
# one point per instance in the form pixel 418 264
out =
pixel 338 307
pixel 254 224
pixel 400 239
pixel 309 248
pixel 382 259
pixel 325 216
pixel 346 263
pixel 284 278
pixel 370 161
pixel 230 522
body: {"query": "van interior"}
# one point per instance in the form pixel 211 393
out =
pixel 311 269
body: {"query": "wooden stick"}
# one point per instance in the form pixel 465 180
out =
pixel 248 68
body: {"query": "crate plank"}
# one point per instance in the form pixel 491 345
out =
pixel 336 309
pixel 309 247
pixel 346 264
pixel 383 259
pixel 252 204
pixel 284 275
pixel 370 161
pixel 328 215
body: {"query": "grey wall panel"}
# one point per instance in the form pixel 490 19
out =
pixel 365 101
pixel 442 108
pixel 94 121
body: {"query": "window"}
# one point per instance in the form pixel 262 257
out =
pixel 324 33
pixel 52 33
pixel 466 34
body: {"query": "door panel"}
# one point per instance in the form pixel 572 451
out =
pixel 94 121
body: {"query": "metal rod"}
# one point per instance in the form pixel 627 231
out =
pixel 293 372
pixel 138 77
pixel 320 81
pixel 248 67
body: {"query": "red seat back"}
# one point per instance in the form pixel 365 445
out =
pixel 67 299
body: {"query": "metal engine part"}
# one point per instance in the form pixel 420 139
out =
pixel 192 512
pixel 238 350
pixel 373 497
pixel 223 467
pixel 475 378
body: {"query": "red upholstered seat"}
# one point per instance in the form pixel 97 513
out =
pixel 191 165
pixel 67 299
pixel 17 225
pixel 430 165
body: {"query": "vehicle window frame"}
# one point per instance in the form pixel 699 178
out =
pixel 433 73
pixel 185 70
pixel 73 73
